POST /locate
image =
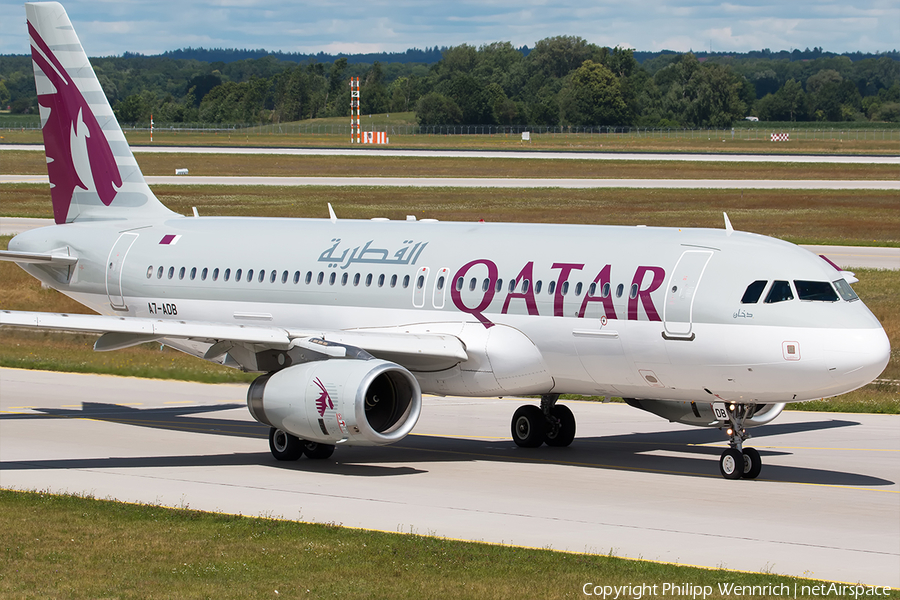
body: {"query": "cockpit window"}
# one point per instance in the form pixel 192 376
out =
pixel 753 292
pixel 845 290
pixel 817 291
pixel 780 292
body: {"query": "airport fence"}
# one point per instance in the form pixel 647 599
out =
pixel 752 131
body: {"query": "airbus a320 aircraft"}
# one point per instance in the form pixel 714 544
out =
pixel 350 321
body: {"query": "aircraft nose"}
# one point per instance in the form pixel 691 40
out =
pixel 858 356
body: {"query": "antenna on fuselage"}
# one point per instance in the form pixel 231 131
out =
pixel 728 228
pixel 331 214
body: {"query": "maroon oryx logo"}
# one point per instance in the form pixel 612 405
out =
pixel 77 150
pixel 324 398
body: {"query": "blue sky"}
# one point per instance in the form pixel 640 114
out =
pixel 111 27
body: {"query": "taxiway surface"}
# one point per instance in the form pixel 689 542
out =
pixel 503 182
pixel 827 504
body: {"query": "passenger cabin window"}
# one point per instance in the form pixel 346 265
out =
pixel 194 273
pixel 149 271
pixel 405 281
pixel 249 275
pixel 237 275
pixel 845 290
pixel 537 286
pixel 215 273
pixel 815 291
pixel 619 289
pixel 754 291
pixel 780 292
pixel 551 287
pixel 227 274
pixel 344 278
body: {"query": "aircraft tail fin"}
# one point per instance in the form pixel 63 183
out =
pixel 93 173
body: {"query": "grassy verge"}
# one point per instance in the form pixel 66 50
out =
pixel 75 547
pixel 800 216
pixel 33 163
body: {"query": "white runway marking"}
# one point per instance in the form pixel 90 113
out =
pixel 495 182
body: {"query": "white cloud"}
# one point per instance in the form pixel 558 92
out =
pixel 117 26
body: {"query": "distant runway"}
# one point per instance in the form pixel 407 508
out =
pixel 848 257
pixel 524 153
pixel 827 504
pixel 503 182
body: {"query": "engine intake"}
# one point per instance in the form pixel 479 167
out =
pixel 357 402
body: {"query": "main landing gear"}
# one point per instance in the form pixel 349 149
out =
pixel 738 462
pixel 285 446
pixel 551 424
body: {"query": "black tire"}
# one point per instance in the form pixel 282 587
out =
pixel 317 451
pixel 731 464
pixel 752 463
pixel 564 435
pixel 284 446
pixel 529 426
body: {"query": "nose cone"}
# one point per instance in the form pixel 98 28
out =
pixel 857 356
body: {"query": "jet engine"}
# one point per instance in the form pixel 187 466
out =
pixel 700 414
pixel 357 402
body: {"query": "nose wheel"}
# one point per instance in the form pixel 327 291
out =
pixel 737 462
pixel 550 424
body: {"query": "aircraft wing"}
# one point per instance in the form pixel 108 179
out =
pixel 418 351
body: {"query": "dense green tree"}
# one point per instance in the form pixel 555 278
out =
pixel 437 109
pixel 592 96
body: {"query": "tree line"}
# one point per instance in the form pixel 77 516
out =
pixel 563 80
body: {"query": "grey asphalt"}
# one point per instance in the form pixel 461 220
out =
pixel 502 182
pixel 827 504
pixel 523 153
pixel 848 257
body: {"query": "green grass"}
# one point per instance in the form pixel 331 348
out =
pixel 33 163
pixel 76 547
pixel 800 216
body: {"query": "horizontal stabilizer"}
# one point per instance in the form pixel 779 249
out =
pixel 56 260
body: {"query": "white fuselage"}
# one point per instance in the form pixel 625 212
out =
pixel 635 312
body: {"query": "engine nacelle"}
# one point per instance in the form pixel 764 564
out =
pixel 357 402
pixel 700 414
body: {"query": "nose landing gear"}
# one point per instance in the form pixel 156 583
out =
pixel 737 462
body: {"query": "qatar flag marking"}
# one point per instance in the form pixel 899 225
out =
pixel 169 240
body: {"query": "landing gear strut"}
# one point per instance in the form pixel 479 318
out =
pixel 738 462
pixel 551 424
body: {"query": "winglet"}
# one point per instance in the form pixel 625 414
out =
pixel 331 214
pixel 728 228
